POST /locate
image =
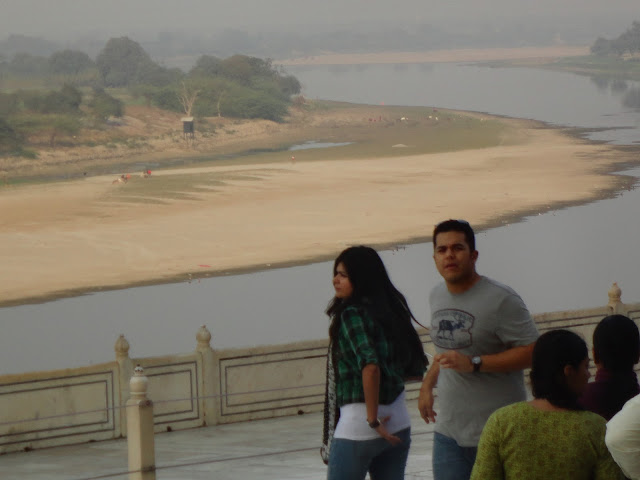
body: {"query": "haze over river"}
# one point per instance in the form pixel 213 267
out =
pixel 558 260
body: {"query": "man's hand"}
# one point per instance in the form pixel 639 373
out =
pixel 425 405
pixel 455 361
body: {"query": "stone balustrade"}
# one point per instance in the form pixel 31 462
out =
pixel 204 387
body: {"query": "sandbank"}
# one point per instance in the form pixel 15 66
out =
pixel 66 238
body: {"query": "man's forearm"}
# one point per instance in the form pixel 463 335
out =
pixel 431 378
pixel 516 358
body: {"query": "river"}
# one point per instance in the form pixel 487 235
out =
pixel 558 260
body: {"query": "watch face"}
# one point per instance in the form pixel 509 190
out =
pixel 476 360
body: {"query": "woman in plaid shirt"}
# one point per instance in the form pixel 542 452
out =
pixel 373 350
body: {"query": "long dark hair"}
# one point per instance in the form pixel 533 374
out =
pixel 553 351
pixel 616 343
pixel 373 291
pixel 616 346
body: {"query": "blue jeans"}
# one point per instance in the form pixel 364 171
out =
pixel 352 459
pixel 450 460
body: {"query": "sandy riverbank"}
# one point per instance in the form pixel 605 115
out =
pixel 90 234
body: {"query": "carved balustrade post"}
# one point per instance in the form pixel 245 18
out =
pixel 210 387
pixel 615 304
pixel 140 440
pixel 125 371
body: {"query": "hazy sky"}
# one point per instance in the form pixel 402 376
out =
pixel 62 18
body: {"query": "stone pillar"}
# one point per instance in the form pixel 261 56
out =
pixel 140 441
pixel 125 371
pixel 210 387
pixel 615 304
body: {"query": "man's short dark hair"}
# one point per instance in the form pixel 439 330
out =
pixel 456 226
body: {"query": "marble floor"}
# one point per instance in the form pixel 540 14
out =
pixel 274 449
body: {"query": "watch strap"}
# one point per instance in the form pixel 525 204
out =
pixel 477 363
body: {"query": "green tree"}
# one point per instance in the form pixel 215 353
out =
pixel 237 68
pixel 207 66
pixel 289 85
pixel 245 103
pixel 28 65
pixel 104 105
pixel 167 99
pixel 70 62
pixel 123 62
pixel 9 104
pixel 145 91
pixel 60 125
pixel 627 42
pixel 158 76
pixel 10 141
pixel 51 125
pixel 67 100
pixel 212 92
pixel 602 47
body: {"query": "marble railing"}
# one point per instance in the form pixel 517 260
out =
pixel 204 387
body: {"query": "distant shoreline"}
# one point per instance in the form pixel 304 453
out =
pixel 438 56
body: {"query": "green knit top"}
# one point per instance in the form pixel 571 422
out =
pixel 520 442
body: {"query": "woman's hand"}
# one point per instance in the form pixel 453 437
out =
pixel 382 431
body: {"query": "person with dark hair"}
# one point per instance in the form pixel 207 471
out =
pixel 616 349
pixel 373 350
pixel 484 336
pixel 550 437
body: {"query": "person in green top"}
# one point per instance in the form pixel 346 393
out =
pixel 373 350
pixel 550 437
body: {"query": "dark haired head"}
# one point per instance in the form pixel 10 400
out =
pixel 554 351
pixel 616 343
pixel 456 226
pixel 374 291
pixel 367 273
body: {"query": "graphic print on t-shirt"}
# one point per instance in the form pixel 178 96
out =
pixel 451 328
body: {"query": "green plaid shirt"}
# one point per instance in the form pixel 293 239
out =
pixel 361 342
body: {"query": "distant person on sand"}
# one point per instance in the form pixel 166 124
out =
pixel 373 350
pixel 616 350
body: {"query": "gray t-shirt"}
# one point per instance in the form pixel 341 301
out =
pixel 486 319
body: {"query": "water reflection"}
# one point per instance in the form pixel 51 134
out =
pixel 631 98
pixel 558 98
pixel 313 144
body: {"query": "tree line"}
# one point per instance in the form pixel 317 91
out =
pixel 626 43
pixel 51 115
pixel 238 86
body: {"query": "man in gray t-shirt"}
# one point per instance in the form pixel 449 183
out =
pixel 484 337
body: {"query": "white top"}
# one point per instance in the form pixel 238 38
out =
pixel 353 425
pixel 623 438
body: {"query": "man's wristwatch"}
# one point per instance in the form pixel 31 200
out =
pixel 476 362
pixel 375 424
